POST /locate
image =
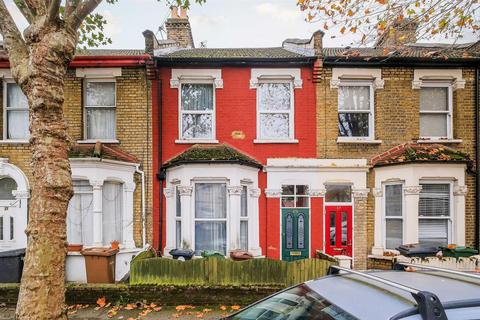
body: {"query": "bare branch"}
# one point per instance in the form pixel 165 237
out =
pixel 53 9
pixel 14 43
pixel 70 7
pixel 25 10
pixel 37 7
pixel 81 12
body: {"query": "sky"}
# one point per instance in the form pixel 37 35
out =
pixel 219 23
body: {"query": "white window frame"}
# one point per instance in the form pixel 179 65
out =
pixel 81 221
pixel 245 218
pixel 227 214
pixel 178 218
pixel 85 108
pixel 295 196
pixel 371 111
pixel 213 112
pixel 291 112
pixel 451 218
pixel 5 109
pixel 448 113
pixel 385 217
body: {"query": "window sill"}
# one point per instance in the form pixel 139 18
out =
pixel 357 141
pixel 439 141
pixel 14 142
pixel 196 141
pixel 95 141
pixel 275 141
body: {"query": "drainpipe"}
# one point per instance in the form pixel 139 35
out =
pixel 477 156
pixel 144 226
pixel 161 176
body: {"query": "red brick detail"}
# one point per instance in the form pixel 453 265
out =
pixel 317 228
pixel 273 228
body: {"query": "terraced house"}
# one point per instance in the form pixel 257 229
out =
pixel 286 151
pixel 107 106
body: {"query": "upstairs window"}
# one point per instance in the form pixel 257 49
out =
pixel 197 111
pixel 436 112
pixel 355 111
pixel 275 111
pixel 16 116
pixel 100 110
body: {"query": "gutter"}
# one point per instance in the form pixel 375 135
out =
pixel 100 61
pixel 161 174
pixel 477 156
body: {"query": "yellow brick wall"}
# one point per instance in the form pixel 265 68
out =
pixel 134 123
pixel 396 122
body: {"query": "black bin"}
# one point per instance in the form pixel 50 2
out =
pixel 417 250
pixel 11 266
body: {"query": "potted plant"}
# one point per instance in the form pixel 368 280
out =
pixel 74 247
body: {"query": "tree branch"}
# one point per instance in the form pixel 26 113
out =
pixel 15 45
pixel 37 7
pixel 25 10
pixel 81 12
pixel 53 10
pixel 70 7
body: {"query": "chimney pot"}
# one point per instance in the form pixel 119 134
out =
pixel 183 13
pixel 174 12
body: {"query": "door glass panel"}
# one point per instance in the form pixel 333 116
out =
pixel 288 202
pixel 333 229
pixel 338 193
pixel 302 202
pixel 1 228
pixel 344 228
pixel 301 190
pixel 7 185
pixel 301 232
pixel 288 190
pixel 289 232
pixel 11 228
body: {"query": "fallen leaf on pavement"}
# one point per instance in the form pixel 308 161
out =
pixel 101 302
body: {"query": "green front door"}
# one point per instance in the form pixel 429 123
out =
pixel 295 234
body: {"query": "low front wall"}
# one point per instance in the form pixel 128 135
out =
pixel 160 295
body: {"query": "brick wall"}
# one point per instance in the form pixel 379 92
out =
pixel 133 132
pixel 396 122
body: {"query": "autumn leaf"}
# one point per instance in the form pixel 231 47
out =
pixel 223 308
pixel 235 308
pixel 157 309
pixel 342 31
pixel 101 302
pixel 350 13
pixel 130 307
pixel 382 1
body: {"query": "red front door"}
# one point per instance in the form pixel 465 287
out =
pixel 338 230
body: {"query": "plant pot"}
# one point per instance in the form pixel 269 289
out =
pixel 186 254
pixel 115 245
pixel 240 255
pixel 75 247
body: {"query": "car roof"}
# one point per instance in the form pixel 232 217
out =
pixel 369 299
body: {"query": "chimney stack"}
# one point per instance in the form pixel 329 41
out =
pixel 398 33
pixel 318 42
pixel 179 29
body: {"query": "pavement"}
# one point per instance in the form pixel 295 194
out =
pixel 137 311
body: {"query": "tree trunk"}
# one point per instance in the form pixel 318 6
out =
pixel 43 280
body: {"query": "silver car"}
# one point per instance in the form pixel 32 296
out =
pixel 428 293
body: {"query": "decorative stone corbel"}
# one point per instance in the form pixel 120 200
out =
pixel 168 192
pixel 254 192
pixel 412 190
pixel 460 191
pixel 360 193
pixel 377 192
pixel 273 193
pixel 185 190
pixel 316 193
pixel 235 190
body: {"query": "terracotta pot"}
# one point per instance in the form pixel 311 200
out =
pixel 115 245
pixel 239 255
pixel 75 247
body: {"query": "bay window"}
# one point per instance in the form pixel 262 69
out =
pixel 393 215
pixel 100 109
pixel 435 111
pixel 210 217
pixel 434 214
pixel 197 111
pixel 355 110
pixel 16 114
pixel 80 216
pixel 178 219
pixel 275 110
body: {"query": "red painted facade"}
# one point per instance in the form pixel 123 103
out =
pixel 236 105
